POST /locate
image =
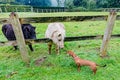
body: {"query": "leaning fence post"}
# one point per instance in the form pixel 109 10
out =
pixel 108 32
pixel 0 10
pixel 14 20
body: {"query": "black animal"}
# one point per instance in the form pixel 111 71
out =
pixel 27 29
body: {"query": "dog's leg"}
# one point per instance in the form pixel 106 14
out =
pixel 78 67
pixel 49 47
pixel 94 69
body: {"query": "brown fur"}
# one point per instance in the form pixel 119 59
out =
pixel 82 62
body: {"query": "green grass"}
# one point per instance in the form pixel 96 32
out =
pixel 55 14
pixel 59 14
pixel 62 67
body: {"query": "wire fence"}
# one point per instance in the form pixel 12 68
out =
pixel 47 9
pixel 31 9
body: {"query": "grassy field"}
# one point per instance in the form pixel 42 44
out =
pixel 56 14
pixel 62 67
pixel 59 14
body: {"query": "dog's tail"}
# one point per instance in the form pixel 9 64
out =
pixel 102 65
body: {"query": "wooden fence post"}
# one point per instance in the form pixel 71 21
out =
pixel 50 10
pixel 108 32
pixel 16 9
pixel 5 9
pixel 24 10
pixel 37 11
pixel 14 20
pixel 46 10
pixel 31 9
pixel 42 11
pixel 0 10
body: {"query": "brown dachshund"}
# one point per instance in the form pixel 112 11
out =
pixel 82 62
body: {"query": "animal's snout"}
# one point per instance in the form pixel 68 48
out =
pixel 61 46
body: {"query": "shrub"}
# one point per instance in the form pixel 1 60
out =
pixel 11 8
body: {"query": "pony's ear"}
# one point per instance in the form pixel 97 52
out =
pixel 28 29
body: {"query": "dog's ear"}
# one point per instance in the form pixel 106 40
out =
pixel 69 51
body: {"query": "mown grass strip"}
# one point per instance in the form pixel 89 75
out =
pixel 56 14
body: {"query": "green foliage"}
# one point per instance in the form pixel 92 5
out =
pixel 12 8
pixel 112 4
pixel 77 2
pixel 77 9
pixel 7 1
pixel 93 4
pixel 69 4
pixel 102 3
